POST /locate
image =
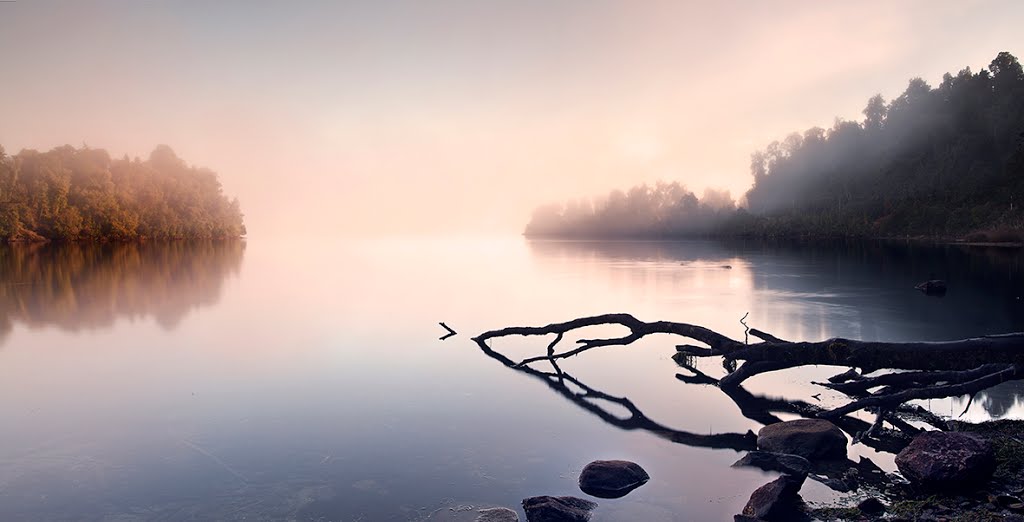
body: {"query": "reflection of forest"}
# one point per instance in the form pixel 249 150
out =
pixel 74 286
pixel 628 250
pixel 998 401
pixel 875 280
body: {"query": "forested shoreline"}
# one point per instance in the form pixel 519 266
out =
pixel 82 194
pixel 943 162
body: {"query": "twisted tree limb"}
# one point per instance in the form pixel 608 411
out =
pixel 719 343
pixel 965 354
pixel 934 369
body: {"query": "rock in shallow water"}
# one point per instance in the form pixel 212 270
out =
pixel 612 478
pixel 871 506
pixel 781 462
pixel 557 509
pixel 808 438
pixel 942 460
pixel 932 287
pixel 499 514
pixel 774 499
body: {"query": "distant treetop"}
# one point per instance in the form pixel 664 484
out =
pixel 82 194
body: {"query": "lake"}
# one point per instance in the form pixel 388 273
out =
pixel 304 380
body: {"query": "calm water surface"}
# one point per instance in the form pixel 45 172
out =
pixel 296 380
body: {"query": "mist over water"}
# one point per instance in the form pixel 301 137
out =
pixel 405 118
pixel 287 379
pixel 361 160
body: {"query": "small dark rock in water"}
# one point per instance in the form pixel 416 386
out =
pixel 612 478
pixel 781 462
pixel 837 484
pixel 943 460
pixel 727 267
pixel 774 499
pixel 933 287
pixel 849 375
pixel 1010 502
pixel 557 509
pixel 498 514
pixel 808 438
pixel 871 506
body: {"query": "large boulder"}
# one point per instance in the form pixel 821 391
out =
pixel 774 500
pixel 943 460
pixel 808 438
pixel 557 509
pixel 612 478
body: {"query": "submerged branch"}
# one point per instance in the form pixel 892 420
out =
pixel 450 331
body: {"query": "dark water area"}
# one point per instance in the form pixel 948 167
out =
pixel 299 380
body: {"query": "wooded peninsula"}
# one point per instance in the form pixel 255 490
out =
pixel 945 162
pixel 70 194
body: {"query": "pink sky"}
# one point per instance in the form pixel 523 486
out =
pixel 461 116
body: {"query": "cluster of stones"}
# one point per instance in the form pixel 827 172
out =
pixel 933 461
pixel 601 478
pixel 788 448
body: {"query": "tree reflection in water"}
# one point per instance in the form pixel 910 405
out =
pixel 75 286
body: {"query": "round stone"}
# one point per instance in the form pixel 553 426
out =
pixel 612 478
pixel 809 438
pixel 940 460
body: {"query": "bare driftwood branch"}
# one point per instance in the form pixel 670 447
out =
pixel 746 331
pixel 765 336
pixel 932 369
pixel 638 330
pixel 965 354
pixel 450 331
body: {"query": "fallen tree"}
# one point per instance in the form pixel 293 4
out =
pixel 880 377
pixel 920 370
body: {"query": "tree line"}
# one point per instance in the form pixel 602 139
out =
pixel 944 161
pixel 75 194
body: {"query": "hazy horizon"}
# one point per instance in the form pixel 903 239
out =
pixel 408 118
